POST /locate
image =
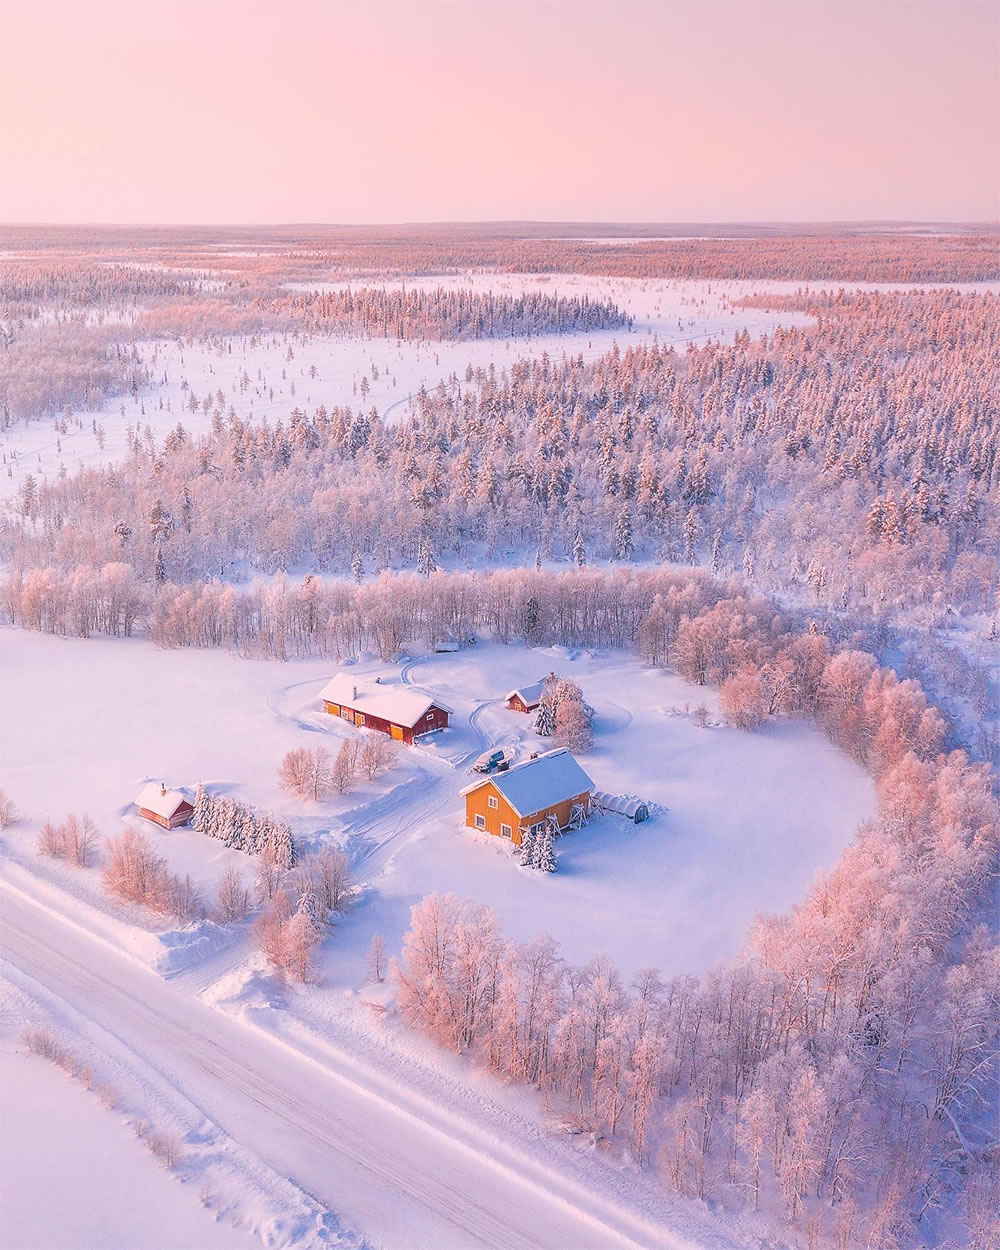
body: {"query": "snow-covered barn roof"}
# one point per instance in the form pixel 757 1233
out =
pixel 397 704
pixel 528 695
pixel 156 798
pixel 539 783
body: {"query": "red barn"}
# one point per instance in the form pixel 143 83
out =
pixel 166 808
pixel 526 698
pixel 402 713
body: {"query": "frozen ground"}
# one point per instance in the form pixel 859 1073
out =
pixel 52 1130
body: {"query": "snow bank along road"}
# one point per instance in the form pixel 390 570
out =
pixel 337 1131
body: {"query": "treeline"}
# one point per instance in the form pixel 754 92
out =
pixel 239 826
pixel 712 633
pixel 844 1067
pixel 444 313
pixel 48 368
pixel 845 255
pixel 854 462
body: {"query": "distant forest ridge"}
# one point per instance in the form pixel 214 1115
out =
pixel 845 252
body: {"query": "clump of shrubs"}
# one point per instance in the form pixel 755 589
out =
pixel 74 840
pixel 134 872
pixel 313 774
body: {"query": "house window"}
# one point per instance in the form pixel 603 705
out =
pixel 480 821
pixel 493 801
pixel 505 831
pixel 538 828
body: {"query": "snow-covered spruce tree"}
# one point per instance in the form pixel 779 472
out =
pixel 228 815
pixel 545 721
pixel 263 832
pixel 426 562
pixel 246 829
pixel 282 844
pixel 579 551
pixel 528 839
pixel 545 855
pixel 202 806
pixel 623 538
pixel 358 568
pixel 690 535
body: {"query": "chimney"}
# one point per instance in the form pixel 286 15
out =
pixel 163 788
pixel 354 693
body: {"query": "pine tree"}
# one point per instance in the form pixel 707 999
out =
pixel 579 551
pixel 623 534
pixel 202 807
pixel 358 568
pixel 748 564
pixel 284 847
pixel 159 566
pixel 545 857
pixel 690 535
pixel 545 721
pixel 426 563
pixel 263 832
pixel 875 523
pixel 528 849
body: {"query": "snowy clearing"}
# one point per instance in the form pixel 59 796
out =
pixel 652 893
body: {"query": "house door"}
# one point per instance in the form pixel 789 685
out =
pixel 359 718
pixel 396 731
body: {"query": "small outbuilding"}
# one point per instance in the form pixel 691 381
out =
pixel 626 805
pixel 526 698
pixel 400 712
pixel 549 789
pixel 166 808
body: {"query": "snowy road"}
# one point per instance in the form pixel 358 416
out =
pixel 405 1174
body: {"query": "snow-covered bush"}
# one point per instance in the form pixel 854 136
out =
pixel 8 811
pixel 307 774
pixel 75 840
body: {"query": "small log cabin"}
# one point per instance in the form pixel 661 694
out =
pixel 528 795
pixel 401 713
pixel 166 808
pixel 526 698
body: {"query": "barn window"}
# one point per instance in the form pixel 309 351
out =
pixel 429 716
pixel 480 821
pixel 505 831
pixel 493 801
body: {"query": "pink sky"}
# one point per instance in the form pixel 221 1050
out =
pixel 234 111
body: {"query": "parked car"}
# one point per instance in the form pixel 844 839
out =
pixel 447 645
pixel 496 759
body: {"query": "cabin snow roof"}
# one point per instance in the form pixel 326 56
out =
pixel 396 704
pixel 155 798
pixel 528 694
pixel 539 783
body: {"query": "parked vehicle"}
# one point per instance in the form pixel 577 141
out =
pixel 496 759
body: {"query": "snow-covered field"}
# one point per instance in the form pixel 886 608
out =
pixel 741 822
pixel 54 1130
pixel 679 891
